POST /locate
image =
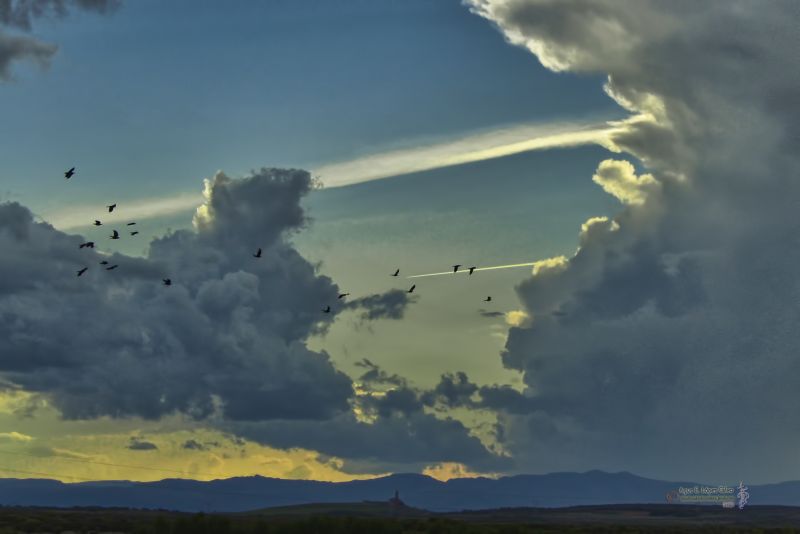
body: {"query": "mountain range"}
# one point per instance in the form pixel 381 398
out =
pixel 419 491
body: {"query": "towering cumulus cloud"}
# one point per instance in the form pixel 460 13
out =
pixel 19 15
pixel 668 344
pixel 225 344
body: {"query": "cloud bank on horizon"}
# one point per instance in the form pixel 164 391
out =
pixel 673 348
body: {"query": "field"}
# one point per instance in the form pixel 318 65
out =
pixel 377 518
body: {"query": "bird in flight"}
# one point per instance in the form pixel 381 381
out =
pixel 327 309
pixel 342 295
pixel 412 288
pixel 80 273
pixel 88 244
pixel 97 223
pixel 134 233
pixel 115 235
pixel 130 224
pixel 487 299
pixel 257 254
pixel 112 267
pixel 111 207
pixel 69 173
pixel 455 268
pixel 167 281
pixel 471 270
pixel 396 273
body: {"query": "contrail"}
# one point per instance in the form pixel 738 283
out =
pixel 465 271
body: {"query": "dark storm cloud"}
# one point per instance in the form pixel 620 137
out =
pixel 374 375
pixel 225 343
pixel 227 336
pixel 195 445
pixel 138 444
pixel 677 336
pixel 458 391
pixel 19 14
pixel 452 390
pixel 389 305
pixel 402 439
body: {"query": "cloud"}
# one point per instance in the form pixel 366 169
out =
pixel 227 337
pixel 17 48
pixel 375 376
pixel 487 145
pixel 673 331
pixel 225 345
pixel 403 438
pixel 138 444
pixel 619 179
pixel 516 317
pixel 74 217
pixel 193 445
pixel 20 14
pixel 15 436
pixel 477 147
pixel 491 314
pixel 389 305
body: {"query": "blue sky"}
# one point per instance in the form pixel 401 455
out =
pixel 151 98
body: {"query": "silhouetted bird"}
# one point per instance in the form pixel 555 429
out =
pixel 397 272
pixel 134 233
pixel 412 288
pixel 471 269
pixel 327 309
pixel 104 262
pixel 257 254
pixel 115 235
pixel 455 268
pixel 112 267
pixel 111 207
pixel 167 281
pixel 80 273
pixel 342 295
pixel 130 224
pixel 69 173
pixel 97 223
pixel 487 299
pixel 88 244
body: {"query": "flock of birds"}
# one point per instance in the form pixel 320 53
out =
pixel 168 282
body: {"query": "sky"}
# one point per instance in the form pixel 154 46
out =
pixel 637 157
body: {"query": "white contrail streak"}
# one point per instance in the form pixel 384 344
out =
pixel 466 271
pixel 476 147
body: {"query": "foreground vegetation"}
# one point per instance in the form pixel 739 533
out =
pixel 16 520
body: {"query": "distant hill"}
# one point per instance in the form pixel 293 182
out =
pixel 417 491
